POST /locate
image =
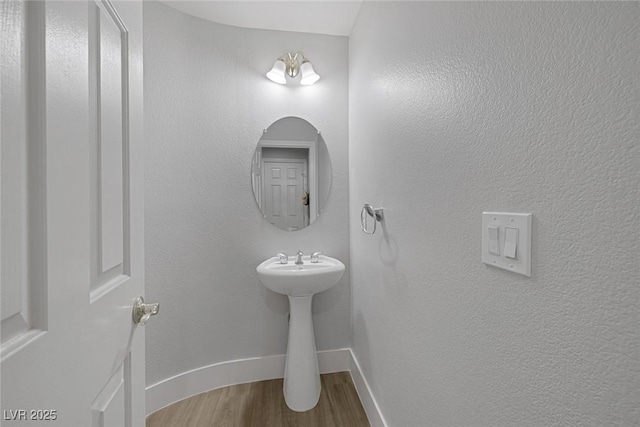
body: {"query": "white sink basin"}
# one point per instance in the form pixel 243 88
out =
pixel 300 283
pixel 299 280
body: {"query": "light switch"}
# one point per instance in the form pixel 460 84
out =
pixel 506 241
pixel 511 242
pixel 494 246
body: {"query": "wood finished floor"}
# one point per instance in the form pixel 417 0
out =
pixel 261 404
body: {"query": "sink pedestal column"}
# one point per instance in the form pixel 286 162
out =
pixel 301 373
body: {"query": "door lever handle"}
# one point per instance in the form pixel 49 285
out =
pixel 142 312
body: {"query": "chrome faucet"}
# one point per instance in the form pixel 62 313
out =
pixel 299 258
pixel 283 258
pixel 315 257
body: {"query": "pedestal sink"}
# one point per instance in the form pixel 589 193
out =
pixel 300 282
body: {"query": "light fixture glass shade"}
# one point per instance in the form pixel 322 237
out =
pixel 277 72
pixel 309 76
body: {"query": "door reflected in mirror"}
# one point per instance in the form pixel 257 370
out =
pixel 291 174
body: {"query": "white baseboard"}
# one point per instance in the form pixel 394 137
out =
pixel 369 403
pixel 242 371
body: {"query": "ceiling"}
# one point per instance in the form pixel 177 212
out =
pixel 307 16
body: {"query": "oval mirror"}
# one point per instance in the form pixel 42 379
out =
pixel 291 174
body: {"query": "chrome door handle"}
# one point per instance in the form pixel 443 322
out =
pixel 142 312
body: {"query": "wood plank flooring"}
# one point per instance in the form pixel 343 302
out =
pixel 261 404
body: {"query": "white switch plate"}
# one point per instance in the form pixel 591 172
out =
pixel 522 222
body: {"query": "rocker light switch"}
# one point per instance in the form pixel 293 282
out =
pixel 494 246
pixel 506 241
pixel 511 243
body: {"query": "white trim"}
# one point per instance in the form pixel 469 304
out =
pixel 241 371
pixel 224 374
pixel 371 408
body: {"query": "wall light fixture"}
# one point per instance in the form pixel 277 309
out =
pixel 290 65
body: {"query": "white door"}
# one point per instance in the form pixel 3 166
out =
pixel 284 186
pixel 71 214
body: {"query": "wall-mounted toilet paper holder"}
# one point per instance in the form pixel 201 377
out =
pixel 376 213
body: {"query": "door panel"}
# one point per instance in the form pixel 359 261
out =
pixel 108 100
pixel 283 204
pixel 109 409
pixel 108 39
pixel 23 292
pixel 80 357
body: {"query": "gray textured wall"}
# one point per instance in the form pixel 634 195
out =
pixel 459 108
pixel 207 102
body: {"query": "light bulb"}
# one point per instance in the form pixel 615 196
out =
pixel 309 76
pixel 277 72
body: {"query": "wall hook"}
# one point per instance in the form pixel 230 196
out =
pixel 376 213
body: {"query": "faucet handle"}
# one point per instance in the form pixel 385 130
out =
pixel 283 258
pixel 314 256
